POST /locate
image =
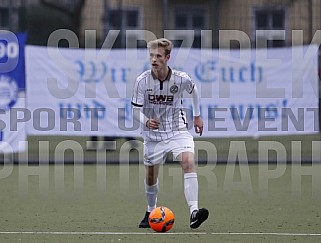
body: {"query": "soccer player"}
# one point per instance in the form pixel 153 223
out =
pixel 157 105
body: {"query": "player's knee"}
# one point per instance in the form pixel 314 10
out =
pixel 151 179
pixel 188 166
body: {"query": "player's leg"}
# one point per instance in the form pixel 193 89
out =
pixel 151 186
pixel 190 180
pixel 153 157
pixel 197 216
pixel 183 150
pixel 151 191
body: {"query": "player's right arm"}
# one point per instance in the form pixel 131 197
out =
pixel 143 119
pixel 138 102
pixel 138 105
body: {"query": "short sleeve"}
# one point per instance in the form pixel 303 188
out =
pixel 138 93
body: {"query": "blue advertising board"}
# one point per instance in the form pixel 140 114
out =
pixel 12 89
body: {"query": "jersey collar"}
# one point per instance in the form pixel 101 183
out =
pixel 168 77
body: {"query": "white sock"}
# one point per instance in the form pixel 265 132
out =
pixel 191 190
pixel 151 196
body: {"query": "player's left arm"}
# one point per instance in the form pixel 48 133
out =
pixel 198 123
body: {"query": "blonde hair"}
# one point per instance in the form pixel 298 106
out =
pixel 163 43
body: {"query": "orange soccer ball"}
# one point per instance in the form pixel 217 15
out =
pixel 161 219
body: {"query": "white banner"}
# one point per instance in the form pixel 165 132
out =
pixel 247 93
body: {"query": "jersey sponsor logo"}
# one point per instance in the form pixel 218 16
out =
pixel 161 99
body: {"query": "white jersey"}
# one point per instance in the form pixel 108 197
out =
pixel 162 100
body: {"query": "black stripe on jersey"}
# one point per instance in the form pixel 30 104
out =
pixel 192 89
pixel 161 85
pixel 134 104
pixel 168 77
pixel 182 113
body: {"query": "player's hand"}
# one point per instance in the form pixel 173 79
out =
pixel 152 123
pixel 198 125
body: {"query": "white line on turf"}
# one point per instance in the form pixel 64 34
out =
pixel 99 233
pixel 154 233
pixel 268 233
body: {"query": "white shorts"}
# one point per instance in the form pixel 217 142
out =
pixel 156 152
